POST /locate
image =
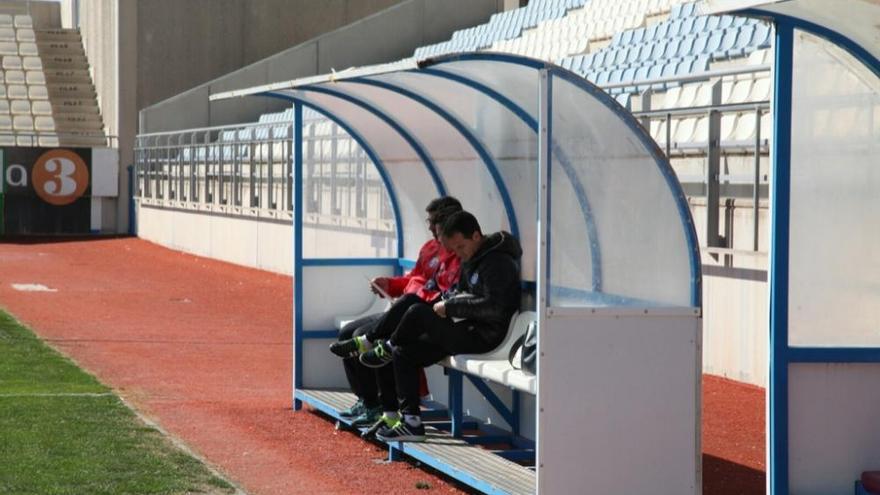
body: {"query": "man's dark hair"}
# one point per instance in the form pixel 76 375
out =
pixel 461 222
pixel 443 203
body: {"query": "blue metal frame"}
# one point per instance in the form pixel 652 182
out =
pixel 297 254
pixel 351 262
pixel 779 231
pixel 469 136
pixel 407 136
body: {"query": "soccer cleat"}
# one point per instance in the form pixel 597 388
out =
pixel 345 348
pixel 384 421
pixel 378 356
pixel 356 410
pixel 368 417
pixel 402 432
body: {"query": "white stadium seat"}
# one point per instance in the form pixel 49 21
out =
pixel 17 107
pixel 35 77
pixel 32 63
pixel 11 63
pixel 8 48
pixel 38 92
pixel 5 123
pixel 48 141
pixel 17 92
pixel 41 108
pixel 44 123
pixel 28 50
pixel 5 20
pixel 7 34
pixel 23 123
pixel 26 35
pixel 24 21
pixel 15 77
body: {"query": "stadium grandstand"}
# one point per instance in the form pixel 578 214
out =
pixel 706 159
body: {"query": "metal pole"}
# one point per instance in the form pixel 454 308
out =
pixel 757 183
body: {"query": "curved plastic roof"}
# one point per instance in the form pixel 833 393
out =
pixel 468 125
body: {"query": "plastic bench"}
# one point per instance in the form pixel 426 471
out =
pixel 379 305
pixel 494 365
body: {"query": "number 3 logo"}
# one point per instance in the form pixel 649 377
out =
pixel 60 177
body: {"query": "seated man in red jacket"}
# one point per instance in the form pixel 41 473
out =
pixel 436 271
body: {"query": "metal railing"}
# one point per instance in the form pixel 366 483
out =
pixel 248 169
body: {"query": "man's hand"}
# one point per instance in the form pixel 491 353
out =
pixel 381 282
pixel 440 309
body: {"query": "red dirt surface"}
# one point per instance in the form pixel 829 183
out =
pixel 203 348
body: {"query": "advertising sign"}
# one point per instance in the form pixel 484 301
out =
pixel 46 190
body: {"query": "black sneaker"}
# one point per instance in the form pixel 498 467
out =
pixel 345 348
pixel 368 417
pixel 402 432
pixel 356 410
pixel 378 356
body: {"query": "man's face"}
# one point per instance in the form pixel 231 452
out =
pixel 433 226
pixel 463 247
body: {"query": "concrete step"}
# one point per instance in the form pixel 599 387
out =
pixel 76 62
pixel 78 122
pixel 71 90
pixel 65 76
pixel 57 35
pixel 73 138
pixel 75 105
pixel 60 48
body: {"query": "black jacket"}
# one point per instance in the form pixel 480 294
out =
pixel 488 291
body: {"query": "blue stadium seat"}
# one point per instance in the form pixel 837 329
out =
pixel 658 50
pixel 713 45
pixel 762 36
pixel 688 9
pixel 662 31
pixel 743 41
pixel 650 33
pixel 638 35
pixel 686 47
pixel 599 58
pixel 602 77
pixel 645 52
pixel 672 48
pixel 725 22
pixel 701 24
pixel 740 21
pixel 629 74
pixel 616 76
pixel 712 23
pixel 674 28
pixel 633 54
pixel 586 61
pixel 687 26
pixel 728 42
pixel 620 55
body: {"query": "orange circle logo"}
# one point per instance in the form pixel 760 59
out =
pixel 60 177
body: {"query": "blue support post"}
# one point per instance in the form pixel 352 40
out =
pixel 779 254
pixel 515 416
pixel 297 253
pixel 455 401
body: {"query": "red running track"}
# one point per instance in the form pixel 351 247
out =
pixel 203 348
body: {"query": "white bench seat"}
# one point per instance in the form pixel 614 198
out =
pixel 379 306
pixel 496 370
pixel 494 365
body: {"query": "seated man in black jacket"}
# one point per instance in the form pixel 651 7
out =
pixel 474 320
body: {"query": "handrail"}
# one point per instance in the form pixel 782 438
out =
pixel 701 110
pixel 701 76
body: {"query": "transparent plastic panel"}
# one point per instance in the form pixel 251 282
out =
pixel 616 235
pixel 515 81
pixel 834 296
pixel 511 143
pixel 346 209
pixel 455 161
pixel 408 176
